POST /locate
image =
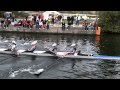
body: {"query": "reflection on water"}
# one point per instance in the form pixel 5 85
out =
pixel 65 68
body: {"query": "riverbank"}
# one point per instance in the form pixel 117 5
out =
pixel 52 30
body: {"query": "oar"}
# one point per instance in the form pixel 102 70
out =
pixel 6 59
pixel 2 49
pixel 40 71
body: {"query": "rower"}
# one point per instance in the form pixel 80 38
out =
pixel 54 47
pixel 79 53
pixel 74 48
pixel 75 52
pixel 12 46
pixel 33 47
pixel 62 54
pixel 53 51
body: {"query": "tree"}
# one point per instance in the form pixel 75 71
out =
pixel 16 13
pixel 109 21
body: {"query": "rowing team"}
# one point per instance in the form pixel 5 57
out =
pixel 53 51
pixel 13 47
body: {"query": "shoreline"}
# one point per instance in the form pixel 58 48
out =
pixel 52 30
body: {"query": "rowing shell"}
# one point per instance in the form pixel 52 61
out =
pixel 43 54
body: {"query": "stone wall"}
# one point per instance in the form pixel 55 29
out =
pixel 53 30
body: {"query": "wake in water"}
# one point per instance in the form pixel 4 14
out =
pixel 30 70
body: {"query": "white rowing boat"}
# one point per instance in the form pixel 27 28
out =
pixel 44 54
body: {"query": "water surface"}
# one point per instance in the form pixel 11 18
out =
pixel 64 68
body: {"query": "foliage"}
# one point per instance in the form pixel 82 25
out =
pixel 109 21
pixel 20 14
pixel 16 13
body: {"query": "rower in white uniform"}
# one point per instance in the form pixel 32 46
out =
pixel 18 52
pixel 63 54
pixel 33 47
pixel 53 51
pixel 78 52
pixel 54 47
pixel 12 47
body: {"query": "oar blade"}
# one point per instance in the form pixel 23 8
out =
pixel 2 49
pixel 39 52
pixel 21 51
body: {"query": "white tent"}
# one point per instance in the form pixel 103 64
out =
pixel 85 17
pixel 47 13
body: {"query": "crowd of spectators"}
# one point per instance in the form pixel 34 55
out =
pixel 39 22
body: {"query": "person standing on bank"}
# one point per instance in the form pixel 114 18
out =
pixel 63 25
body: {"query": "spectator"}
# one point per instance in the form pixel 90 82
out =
pixel 37 24
pixel 72 20
pixel 34 18
pixel 42 17
pixel 86 25
pixel 44 23
pixel 47 24
pixel 52 20
pixel 23 23
pixel 41 24
pixel 63 24
pixel 2 23
pixel 77 20
pixel 95 25
pixel 28 24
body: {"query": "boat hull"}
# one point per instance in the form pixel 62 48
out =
pixel 67 56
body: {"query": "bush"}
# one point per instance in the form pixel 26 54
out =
pixel 109 21
pixel 16 13
pixel 20 14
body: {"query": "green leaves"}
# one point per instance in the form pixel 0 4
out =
pixel 16 13
pixel 109 21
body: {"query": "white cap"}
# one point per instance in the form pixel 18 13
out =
pixel 34 42
pixel 14 42
pixel 54 44
pixel 73 45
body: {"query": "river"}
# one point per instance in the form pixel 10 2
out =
pixel 18 67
